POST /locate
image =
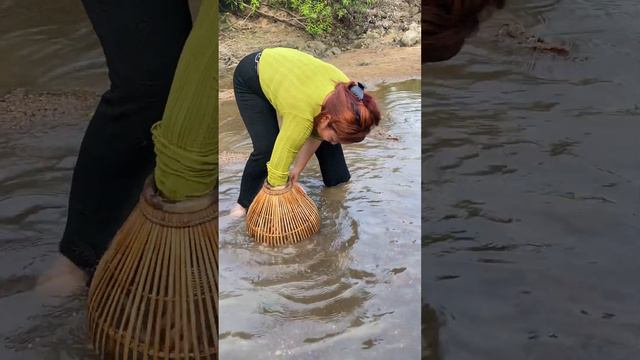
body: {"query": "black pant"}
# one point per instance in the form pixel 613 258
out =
pixel 259 117
pixel 142 41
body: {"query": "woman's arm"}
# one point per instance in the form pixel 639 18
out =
pixel 292 136
pixel 308 149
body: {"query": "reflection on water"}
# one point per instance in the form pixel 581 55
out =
pixel 531 183
pixel 351 291
pixel 48 45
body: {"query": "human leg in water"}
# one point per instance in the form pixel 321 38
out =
pixel 142 41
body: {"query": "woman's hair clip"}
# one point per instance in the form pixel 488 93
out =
pixel 358 90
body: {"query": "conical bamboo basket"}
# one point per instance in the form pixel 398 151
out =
pixel 283 216
pixel 154 294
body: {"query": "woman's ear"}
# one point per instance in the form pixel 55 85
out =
pixel 324 120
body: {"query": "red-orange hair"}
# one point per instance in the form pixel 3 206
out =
pixel 351 118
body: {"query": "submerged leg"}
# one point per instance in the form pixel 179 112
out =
pixel 333 166
pixel 142 41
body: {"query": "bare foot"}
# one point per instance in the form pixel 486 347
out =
pixel 238 211
pixel 62 279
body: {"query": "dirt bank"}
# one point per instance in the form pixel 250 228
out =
pixel 385 48
pixel 385 23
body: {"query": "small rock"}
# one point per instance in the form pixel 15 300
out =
pixel 372 34
pixel 410 38
pixel 334 51
pixel 317 47
pixel 360 44
pixel 415 27
pixel 393 34
pixel 386 24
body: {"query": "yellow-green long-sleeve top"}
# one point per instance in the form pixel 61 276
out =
pixel 296 84
pixel 186 139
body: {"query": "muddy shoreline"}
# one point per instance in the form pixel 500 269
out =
pixel 25 110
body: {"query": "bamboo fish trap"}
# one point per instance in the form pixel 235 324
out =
pixel 283 216
pixel 154 295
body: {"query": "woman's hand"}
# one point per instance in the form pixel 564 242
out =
pixel 294 175
pixel 297 184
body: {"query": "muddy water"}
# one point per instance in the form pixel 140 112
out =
pixel 531 180
pixel 36 171
pixel 352 290
pixel 44 45
pixel 48 45
pixel 51 45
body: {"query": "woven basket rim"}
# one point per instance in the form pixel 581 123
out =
pixel 151 196
pixel 269 190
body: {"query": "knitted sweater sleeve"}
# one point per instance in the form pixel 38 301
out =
pixel 294 132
